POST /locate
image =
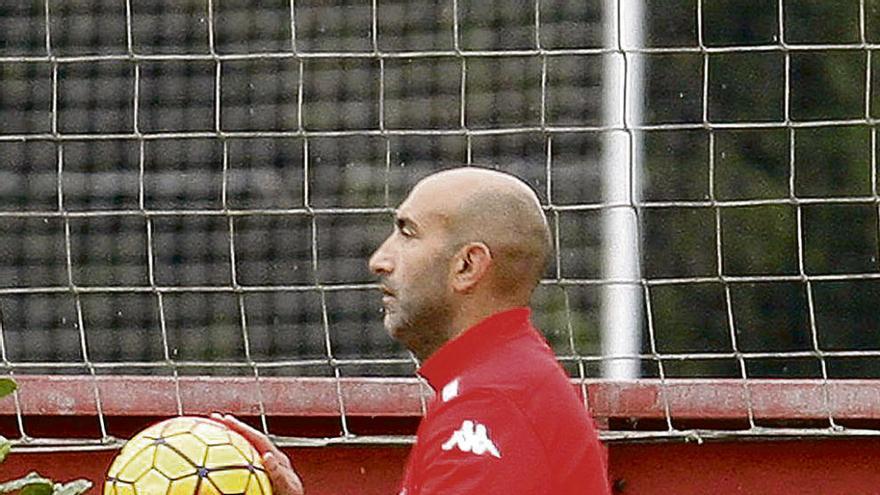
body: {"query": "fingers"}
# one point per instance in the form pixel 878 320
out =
pixel 283 478
pixel 257 438
pixel 260 441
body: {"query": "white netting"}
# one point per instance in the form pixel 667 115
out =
pixel 195 188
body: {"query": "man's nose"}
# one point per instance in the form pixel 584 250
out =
pixel 380 262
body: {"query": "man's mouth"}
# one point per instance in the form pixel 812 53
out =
pixel 387 296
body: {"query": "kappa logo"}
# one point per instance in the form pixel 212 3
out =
pixel 472 437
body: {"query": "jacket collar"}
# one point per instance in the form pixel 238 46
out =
pixel 474 344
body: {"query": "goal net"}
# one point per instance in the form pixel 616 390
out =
pixel 189 192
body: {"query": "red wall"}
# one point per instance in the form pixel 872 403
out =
pixel 779 467
pixel 64 406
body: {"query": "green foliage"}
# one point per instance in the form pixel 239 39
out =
pixel 37 489
pixel 34 483
pixel 7 386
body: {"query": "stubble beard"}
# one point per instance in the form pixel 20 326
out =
pixel 418 323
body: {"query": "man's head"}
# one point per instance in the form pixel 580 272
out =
pixel 467 242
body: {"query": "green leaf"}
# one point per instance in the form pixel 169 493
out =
pixel 76 487
pixel 7 386
pixel 5 447
pixel 32 484
pixel 41 488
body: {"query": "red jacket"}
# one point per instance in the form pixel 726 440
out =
pixel 505 419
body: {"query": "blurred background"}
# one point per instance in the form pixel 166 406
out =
pixel 194 190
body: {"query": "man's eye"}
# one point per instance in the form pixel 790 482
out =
pixel 404 228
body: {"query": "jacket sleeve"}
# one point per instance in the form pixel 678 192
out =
pixel 481 443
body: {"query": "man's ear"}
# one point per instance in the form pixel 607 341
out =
pixel 470 266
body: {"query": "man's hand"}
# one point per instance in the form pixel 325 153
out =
pixel 284 479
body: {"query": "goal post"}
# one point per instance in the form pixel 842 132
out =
pixel 622 313
pixel 189 194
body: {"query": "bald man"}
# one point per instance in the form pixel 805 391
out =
pixel 469 247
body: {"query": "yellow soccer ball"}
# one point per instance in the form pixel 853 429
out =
pixel 187 456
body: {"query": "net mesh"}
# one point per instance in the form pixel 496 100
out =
pixel 193 188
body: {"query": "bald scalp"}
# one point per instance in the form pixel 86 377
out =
pixel 504 213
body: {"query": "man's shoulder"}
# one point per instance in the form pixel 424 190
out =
pixel 522 365
pixel 520 374
pixel 539 391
